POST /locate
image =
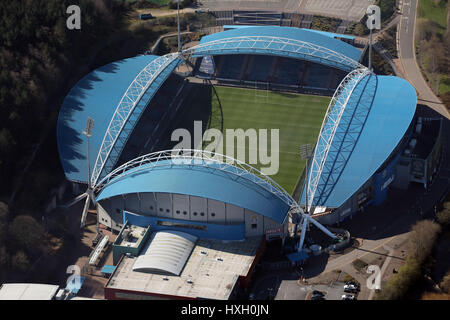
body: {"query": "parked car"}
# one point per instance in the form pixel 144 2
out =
pixel 317 297
pixel 348 297
pixel 353 283
pixel 350 288
pixel 318 293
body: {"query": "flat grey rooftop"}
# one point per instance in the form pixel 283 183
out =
pixel 27 291
pixel 210 272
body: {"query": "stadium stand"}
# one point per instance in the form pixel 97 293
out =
pixel 278 72
pixel 259 68
pixel 317 77
pixel 148 125
pixel 289 71
pixel 229 67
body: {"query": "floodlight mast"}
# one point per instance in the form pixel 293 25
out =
pixel 88 133
pixel 373 22
pixel 179 37
pixel 305 153
pixel 89 193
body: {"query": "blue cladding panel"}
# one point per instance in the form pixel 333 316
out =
pixel 213 231
pixel 383 179
pixel 96 96
pixel 390 115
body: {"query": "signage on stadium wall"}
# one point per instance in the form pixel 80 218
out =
pixel 274 230
pixel 388 182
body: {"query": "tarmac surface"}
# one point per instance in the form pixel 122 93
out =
pixel 406 32
pixel 342 9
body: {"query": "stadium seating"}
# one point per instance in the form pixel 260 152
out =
pixel 317 76
pixel 259 68
pixel 278 72
pixel 288 71
pixel 229 66
pixel 141 141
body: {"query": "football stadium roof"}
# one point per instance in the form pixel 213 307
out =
pixel 281 41
pixel 201 178
pixel 366 119
pixel 116 95
pixel 101 95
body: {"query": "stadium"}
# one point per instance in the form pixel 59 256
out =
pixel 189 224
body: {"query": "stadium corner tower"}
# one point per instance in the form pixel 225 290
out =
pixel 367 126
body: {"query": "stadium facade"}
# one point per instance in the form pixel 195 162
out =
pixel 202 202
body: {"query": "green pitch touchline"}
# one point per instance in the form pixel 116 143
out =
pixel 297 116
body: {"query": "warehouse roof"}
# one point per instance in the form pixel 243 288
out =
pixel 210 272
pixel 27 291
pixel 166 252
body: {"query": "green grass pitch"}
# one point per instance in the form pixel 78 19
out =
pixel 297 116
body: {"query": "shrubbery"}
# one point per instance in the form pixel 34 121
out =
pixel 422 238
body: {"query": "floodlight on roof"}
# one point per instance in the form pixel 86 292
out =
pixel 89 127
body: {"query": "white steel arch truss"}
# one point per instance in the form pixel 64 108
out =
pixel 188 157
pixel 125 108
pixel 267 44
pixel 329 127
pixel 144 79
pixel 274 45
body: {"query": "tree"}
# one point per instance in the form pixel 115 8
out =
pixel 422 238
pixel 4 258
pixel 360 30
pixel 4 211
pixel 27 232
pixel 445 283
pixel 443 216
pixel 20 261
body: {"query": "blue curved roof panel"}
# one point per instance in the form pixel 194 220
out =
pixel 377 116
pixel 240 41
pixel 96 96
pixel 136 113
pixel 202 181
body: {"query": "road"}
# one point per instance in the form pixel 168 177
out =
pixel 407 57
